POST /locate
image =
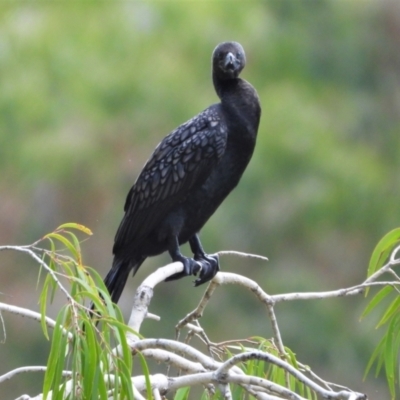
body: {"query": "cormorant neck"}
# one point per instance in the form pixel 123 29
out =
pixel 225 88
pixel 236 92
pixel 239 99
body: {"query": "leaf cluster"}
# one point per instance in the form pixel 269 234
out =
pixel 385 355
pixel 83 362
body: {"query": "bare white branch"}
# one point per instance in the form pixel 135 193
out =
pixel 174 360
pixel 162 273
pixel 33 368
pixel 25 312
pixel 144 294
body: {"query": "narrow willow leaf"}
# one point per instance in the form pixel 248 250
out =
pixel 74 360
pixel 76 245
pixel 146 374
pixel 65 242
pixel 103 390
pixel 390 312
pixel 376 300
pixel 182 393
pixel 53 291
pixel 74 225
pixel 90 359
pixel 262 341
pixel 292 357
pixel 104 361
pixel 376 353
pixel 98 279
pixel 43 306
pixel 260 369
pixel 99 387
pixel 301 389
pixel 53 266
pixel 84 277
pixel 310 394
pixel 40 270
pixel 205 395
pixel 126 391
pixel 52 377
pixel 98 305
pixel 123 362
pixel 390 365
pixel 236 394
pixel 382 250
pixel 52 246
pixel 249 367
pixel 391 359
pixel 278 375
pixel 80 281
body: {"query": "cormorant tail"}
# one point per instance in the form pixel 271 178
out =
pixel 118 275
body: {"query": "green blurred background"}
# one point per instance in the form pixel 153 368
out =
pixel 87 90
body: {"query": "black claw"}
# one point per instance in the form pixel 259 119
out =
pixel 209 268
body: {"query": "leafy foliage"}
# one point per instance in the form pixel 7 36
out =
pixel 386 354
pixel 78 345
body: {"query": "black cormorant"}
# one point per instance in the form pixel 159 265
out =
pixel 188 176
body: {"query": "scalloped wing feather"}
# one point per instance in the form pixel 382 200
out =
pixel 183 160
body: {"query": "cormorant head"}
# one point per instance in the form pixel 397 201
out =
pixel 228 60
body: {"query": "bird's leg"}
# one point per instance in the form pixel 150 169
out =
pixel 190 266
pixel 209 262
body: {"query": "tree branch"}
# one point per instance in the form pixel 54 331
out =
pixel 198 367
pixel 33 368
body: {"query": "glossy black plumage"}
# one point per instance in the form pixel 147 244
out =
pixel 187 177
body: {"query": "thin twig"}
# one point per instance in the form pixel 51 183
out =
pixel 241 254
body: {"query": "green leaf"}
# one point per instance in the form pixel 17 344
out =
pixel 90 359
pixel 146 373
pixel 77 246
pixel 260 369
pixel 55 364
pixel 182 393
pixel 65 242
pixel 43 306
pixel 382 250
pixel 392 310
pixel 376 300
pixel 391 358
pixel 292 357
pixel 376 354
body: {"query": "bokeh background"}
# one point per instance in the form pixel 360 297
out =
pixel 87 89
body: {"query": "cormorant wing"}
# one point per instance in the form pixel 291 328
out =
pixel 183 160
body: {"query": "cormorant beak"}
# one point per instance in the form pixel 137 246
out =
pixel 231 62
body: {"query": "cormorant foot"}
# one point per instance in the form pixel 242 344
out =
pixel 209 267
pixel 190 267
